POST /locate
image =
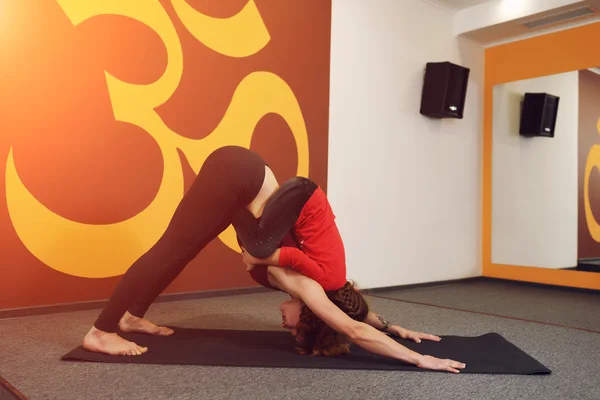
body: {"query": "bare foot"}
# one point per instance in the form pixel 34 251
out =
pixel 131 323
pixel 110 343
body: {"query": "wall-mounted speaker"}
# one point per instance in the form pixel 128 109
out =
pixel 538 115
pixel 444 90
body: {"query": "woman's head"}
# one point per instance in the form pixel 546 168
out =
pixel 290 314
pixel 312 334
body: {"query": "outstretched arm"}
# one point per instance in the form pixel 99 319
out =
pixel 380 323
pixel 297 260
pixel 361 334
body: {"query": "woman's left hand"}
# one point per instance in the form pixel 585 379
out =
pixel 249 260
pixel 412 335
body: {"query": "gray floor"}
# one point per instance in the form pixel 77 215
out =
pixel 575 309
pixel 31 347
pixel 592 262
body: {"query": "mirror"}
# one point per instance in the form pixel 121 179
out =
pixel 546 189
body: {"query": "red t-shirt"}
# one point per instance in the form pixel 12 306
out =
pixel 321 256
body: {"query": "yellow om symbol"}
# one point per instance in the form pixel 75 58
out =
pixel 593 160
pixel 99 251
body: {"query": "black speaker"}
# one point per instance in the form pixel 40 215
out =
pixel 538 115
pixel 444 90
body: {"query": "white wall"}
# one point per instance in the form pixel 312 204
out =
pixel 406 189
pixel 534 193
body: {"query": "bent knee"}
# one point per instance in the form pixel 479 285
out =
pixel 261 250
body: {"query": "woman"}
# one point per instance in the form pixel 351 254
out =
pixel 299 206
pixel 231 178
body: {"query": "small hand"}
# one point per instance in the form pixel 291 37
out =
pixel 428 362
pixel 248 260
pixel 412 335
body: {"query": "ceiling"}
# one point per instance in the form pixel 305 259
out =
pixel 460 4
pixel 536 24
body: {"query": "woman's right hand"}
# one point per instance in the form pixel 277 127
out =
pixel 438 364
pixel 247 259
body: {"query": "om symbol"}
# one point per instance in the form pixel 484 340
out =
pixel 593 161
pixel 99 251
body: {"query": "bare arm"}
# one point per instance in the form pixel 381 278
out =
pixel 380 323
pixel 272 260
pixel 377 321
pixel 288 257
pixel 359 333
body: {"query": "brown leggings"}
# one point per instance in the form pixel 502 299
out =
pixel 261 237
pixel 230 179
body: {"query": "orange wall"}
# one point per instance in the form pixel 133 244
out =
pixel 109 110
pixel 568 50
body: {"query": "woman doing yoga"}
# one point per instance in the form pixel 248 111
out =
pixel 233 179
pixel 316 251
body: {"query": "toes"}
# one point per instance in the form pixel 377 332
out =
pixel 132 349
pixel 141 350
pixel 166 331
pixel 162 331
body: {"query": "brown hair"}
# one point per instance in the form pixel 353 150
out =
pixel 315 337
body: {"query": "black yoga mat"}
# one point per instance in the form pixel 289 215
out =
pixel 487 354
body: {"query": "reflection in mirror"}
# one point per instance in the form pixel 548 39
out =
pixel 546 188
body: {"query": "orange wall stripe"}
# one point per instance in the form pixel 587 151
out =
pixel 557 52
pixel 568 50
